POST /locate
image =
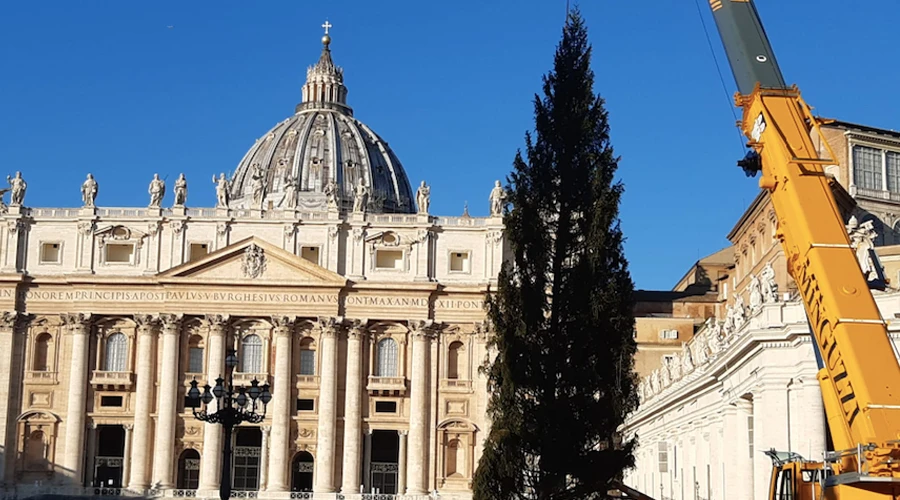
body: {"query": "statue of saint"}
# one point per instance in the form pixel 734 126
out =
pixel 221 191
pixel 423 198
pixel 18 186
pixel 180 191
pixel 290 192
pixel 769 286
pixel 331 194
pixel 498 196
pixel 361 197
pixel 756 295
pixel 89 191
pixel 258 185
pixel 157 191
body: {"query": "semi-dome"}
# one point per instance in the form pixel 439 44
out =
pixel 322 143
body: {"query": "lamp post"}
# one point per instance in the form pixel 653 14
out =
pixel 233 406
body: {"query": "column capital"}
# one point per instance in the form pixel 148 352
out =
pixel 329 326
pixel 146 323
pixel 13 319
pixel 216 322
pixel 357 328
pixel 266 429
pixel 128 427
pixel 170 323
pixel 77 322
pixel 421 329
pixel 403 432
pixel 283 324
pixel 92 425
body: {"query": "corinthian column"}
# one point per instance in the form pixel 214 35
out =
pixel 418 402
pixel 281 405
pixel 352 408
pixel 327 407
pixel 10 388
pixel 164 449
pixel 146 348
pixel 73 460
pixel 211 459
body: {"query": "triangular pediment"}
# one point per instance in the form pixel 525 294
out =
pixel 253 260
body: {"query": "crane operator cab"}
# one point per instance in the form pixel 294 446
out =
pixel 795 478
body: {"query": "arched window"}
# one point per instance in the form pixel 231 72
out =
pixel 195 354
pixel 251 354
pixel 307 357
pixel 41 358
pixel 302 472
pixel 116 353
pixel 456 361
pixel 189 470
pixel 386 360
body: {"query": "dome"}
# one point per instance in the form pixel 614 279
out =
pixel 320 144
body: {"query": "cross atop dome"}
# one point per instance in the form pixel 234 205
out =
pixel 326 26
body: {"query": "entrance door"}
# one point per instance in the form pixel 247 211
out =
pixel 245 470
pixel 302 472
pixel 110 457
pixel 385 454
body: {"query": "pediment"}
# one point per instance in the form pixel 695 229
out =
pixel 253 260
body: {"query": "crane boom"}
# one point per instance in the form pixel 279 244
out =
pixel 860 376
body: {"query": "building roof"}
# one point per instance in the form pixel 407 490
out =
pixel 321 147
pixel 830 122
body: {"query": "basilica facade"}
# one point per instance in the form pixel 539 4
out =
pixel 319 269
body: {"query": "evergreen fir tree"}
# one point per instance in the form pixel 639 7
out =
pixel 563 380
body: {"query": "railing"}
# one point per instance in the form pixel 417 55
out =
pixel 456 384
pixel 307 381
pixel 386 384
pixel 461 221
pixel 200 212
pixel 199 377
pixel 54 213
pixel 40 377
pixel 246 378
pixel 877 194
pixel 125 212
pixel 394 218
pixel 101 377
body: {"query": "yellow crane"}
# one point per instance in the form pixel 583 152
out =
pixel 858 372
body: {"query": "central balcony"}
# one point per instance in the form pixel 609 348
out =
pixel 386 386
pixel 102 379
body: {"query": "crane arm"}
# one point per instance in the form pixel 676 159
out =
pixel 860 378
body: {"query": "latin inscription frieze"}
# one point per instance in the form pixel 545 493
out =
pixel 176 296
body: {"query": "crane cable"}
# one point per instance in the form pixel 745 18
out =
pixel 712 52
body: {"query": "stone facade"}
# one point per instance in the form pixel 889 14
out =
pixel 366 317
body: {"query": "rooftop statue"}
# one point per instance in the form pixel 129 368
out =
pixel 180 191
pixel 498 196
pixel 221 191
pixel 423 198
pixel 17 185
pixel 157 191
pixel 89 191
pixel 361 197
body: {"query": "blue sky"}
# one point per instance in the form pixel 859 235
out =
pixel 107 87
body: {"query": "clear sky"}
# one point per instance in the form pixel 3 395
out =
pixel 127 89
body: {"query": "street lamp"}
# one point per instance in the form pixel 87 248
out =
pixel 233 406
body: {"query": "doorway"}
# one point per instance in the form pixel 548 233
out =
pixel 110 459
pixel 384 454
pixel 245 460
pixel 302 472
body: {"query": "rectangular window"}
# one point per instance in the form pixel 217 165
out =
pixel 50 253
pixel 750 433
pixel 111 401
pixel 119 253
pixel 668 334
pixel 459 262
pixel 198 251
pixel 310 253
pixel 307 362
pixel 867 167
pixel 892 167
pixel 663 456
pixel 385 407
pixel 306 405
pixel 195 360
pixel 389 259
